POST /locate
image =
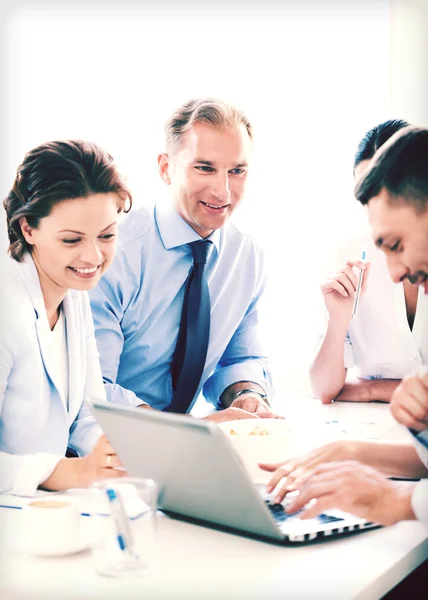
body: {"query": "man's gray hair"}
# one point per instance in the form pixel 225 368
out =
pixel 211 111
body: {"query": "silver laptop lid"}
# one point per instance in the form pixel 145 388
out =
pixel 199 474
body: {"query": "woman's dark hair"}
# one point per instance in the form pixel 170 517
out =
pixel 375 138
pixel 57 171
pixel 401 168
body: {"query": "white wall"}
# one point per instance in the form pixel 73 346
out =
pixel 409 60
pixel 313 77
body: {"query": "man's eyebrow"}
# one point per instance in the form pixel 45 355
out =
pixel 209 163
pixel 201 161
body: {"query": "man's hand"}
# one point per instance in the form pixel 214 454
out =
pixel 295 470
pixel 357 489
pixel 409 403
pixel 249 402
pixel 253 404
pixel 232 413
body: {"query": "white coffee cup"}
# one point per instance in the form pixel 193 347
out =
pixel 260 441
pixel 50 525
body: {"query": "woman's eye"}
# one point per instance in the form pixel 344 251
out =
pixel 71 241
pixel 108 236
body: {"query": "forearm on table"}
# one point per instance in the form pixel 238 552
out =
pixel 327 373
pixel 379 389
pixel 366 390
pixel 395 459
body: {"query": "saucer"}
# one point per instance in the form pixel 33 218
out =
pixel 73 548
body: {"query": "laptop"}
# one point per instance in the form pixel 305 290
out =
pixel 201 478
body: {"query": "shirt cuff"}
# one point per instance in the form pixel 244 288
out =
pixel 420 441
pixel 251 370
pixel 116 394
pixel 420 501
pixel 33 470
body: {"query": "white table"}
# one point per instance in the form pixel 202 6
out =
pixel 197 562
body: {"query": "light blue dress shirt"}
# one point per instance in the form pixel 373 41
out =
pixel 137 309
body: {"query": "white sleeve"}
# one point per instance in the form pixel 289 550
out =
pixel 22 474
pixel 19 474
pixel 420 501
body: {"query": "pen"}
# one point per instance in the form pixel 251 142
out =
pixel 119 519
pixel 358 291
pixel 125 525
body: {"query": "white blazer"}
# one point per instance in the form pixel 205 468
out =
pixel 36 425
pixel 379 342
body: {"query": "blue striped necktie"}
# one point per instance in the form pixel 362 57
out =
pixel 190 352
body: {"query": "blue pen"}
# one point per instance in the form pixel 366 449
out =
pixel 358 290
pixel 118 518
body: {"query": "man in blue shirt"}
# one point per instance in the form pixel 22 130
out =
pixel 137 305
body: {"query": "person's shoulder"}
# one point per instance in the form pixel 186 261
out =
pixel 134 227
pixel 16 308
pixel 9 269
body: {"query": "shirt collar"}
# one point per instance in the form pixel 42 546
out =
pixel 173 229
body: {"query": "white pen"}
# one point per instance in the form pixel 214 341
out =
pixel 358 290
pixel 118 513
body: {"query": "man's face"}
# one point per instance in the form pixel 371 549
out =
pixel 207 175
pixel 402 233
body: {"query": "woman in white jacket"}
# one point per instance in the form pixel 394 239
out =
pixel 387 339
pixel 62 214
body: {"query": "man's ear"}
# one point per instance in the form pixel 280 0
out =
pixel 163 166
pixel 27 231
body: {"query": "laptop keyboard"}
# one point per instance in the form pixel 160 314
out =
pixel 280 516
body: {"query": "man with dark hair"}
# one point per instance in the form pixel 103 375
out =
pixel 395 190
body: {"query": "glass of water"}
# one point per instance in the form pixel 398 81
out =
pixel 123 526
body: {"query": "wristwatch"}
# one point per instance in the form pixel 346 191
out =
pixel 251 391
